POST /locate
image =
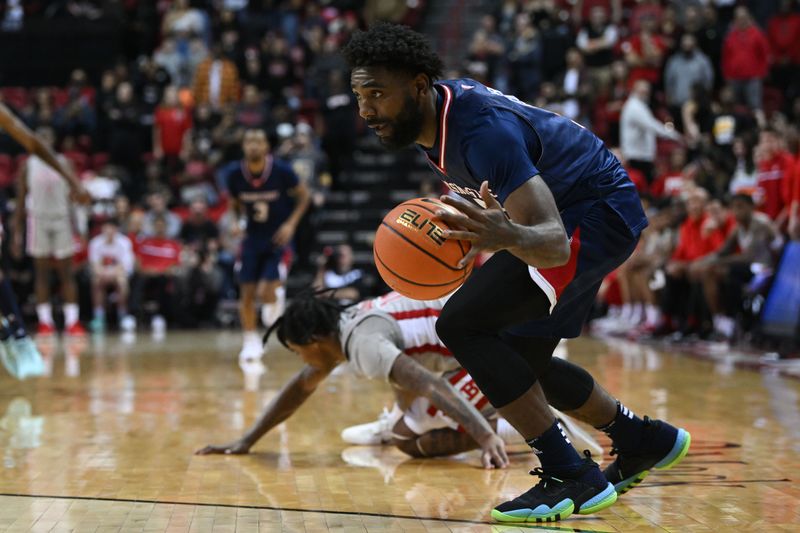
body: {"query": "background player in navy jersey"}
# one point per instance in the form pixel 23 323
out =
pixel 560 213
pixel 18 353
pixel 272 199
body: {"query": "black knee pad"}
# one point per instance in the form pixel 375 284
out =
pixel 566 385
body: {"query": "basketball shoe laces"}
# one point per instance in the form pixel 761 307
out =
pixel 629 456
pixel 544 477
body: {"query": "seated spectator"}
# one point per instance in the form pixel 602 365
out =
pixel 195 178
pixel 111 262
pixel 252 111
pixel 747 251
pixel 157 201
pixel 775 172
pixel 673 181
pixel 682 306
pixel 159 266
pixel 745 176
pixel 336 272
pixel 198 231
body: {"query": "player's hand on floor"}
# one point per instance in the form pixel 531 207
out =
pixel 238 447
pixel 283 235
pixel 493 452
pixel 488 230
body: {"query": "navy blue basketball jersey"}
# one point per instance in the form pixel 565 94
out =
pixel 265 197
pixel 486 135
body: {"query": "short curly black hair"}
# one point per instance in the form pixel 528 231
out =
pixel 395 47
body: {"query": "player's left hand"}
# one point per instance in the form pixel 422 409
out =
pixel 488 230
pixel 493 452
pixel 284 234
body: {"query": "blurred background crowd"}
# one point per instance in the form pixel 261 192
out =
pixel 700 99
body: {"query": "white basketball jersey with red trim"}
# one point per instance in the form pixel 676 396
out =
pixel 416 319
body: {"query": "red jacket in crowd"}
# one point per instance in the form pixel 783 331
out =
pixel 784 37
pixel 775 176
pixel 157 255
pixel 745 54
pixel 693 243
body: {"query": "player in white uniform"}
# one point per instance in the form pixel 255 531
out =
pixel 391 338
pixel 48 207
pixel 111 259
pixel 18 353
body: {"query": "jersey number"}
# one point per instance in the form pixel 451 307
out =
pixel 260 212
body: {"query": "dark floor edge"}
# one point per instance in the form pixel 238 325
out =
pixel 295 510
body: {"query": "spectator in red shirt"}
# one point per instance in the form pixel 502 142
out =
pixel 794 210
pixel 673 181
pixel 159 259
pixel 697 237
pixel 746 58
pixel 774 177
pixel 644 52
pixel 783 30
pixel 172 122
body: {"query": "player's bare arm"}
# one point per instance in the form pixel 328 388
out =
pixel 532 231
pixel 302 198
pixel 410 375
pixel 33 144
pixel 296 391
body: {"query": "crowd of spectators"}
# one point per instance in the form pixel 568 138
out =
pixel 151 135
pixel 699 99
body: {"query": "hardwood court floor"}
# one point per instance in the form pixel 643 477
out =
pixel 106 442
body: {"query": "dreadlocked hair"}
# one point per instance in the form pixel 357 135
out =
pixel 395 47
pixel 310 316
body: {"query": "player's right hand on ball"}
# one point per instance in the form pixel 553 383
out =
pixel 493 452
pixel 238 447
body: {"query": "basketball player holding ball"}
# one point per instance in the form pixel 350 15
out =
pixel 560 213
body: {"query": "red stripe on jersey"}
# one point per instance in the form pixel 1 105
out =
pixel 448 97
pixel 455 378
pixel 559 277
pixel 416 313
pixel 437 348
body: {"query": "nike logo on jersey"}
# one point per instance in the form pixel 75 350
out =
pixel 467 87
pixel 469 192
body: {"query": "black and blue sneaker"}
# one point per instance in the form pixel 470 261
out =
pixel 557 497
pixel 662 447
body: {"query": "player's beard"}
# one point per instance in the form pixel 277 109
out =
pixel 406 127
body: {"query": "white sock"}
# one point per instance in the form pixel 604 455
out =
pixel 45 314
pixel 614 311
pixel 627 313
pixel 251 338
pixel 717 319
pixel 71 314
pixel 272 312
pixel 653 315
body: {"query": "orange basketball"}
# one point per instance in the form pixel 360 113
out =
pixel 413 257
